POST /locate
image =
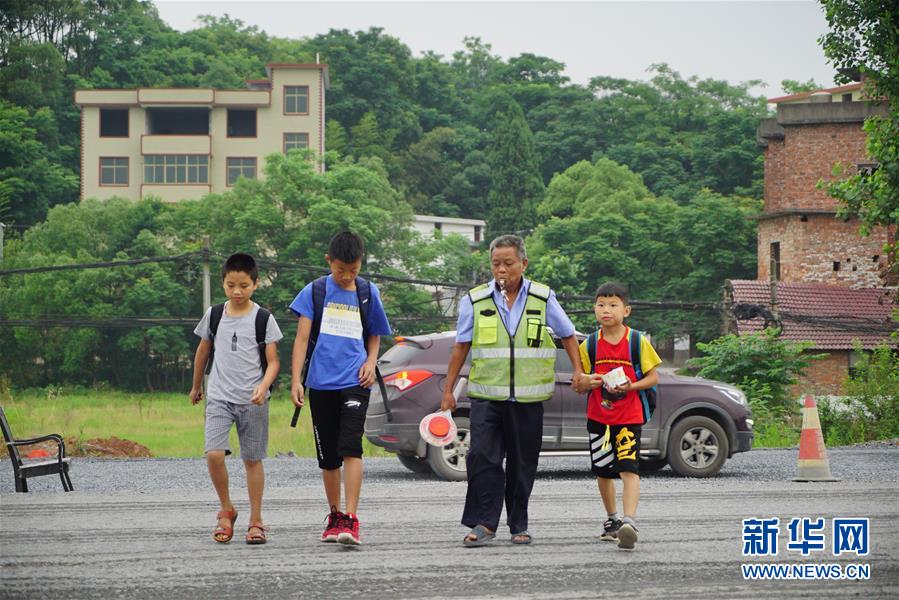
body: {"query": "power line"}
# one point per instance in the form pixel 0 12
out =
pixel 99 265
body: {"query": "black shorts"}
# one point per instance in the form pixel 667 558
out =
pixel 614 449
pixel 338 422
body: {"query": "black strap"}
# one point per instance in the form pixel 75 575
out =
pixel 262 316
pixel 215 317
pixel 591 351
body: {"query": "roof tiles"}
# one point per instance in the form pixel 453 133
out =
pixel 829 316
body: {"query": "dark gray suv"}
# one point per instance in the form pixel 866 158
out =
pixel 697 425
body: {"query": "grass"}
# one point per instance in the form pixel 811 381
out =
pixel 166 423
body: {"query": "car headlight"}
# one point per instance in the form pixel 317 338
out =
pixel 733 394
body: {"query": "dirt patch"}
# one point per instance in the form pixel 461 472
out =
pixel 111 446
pixel 97 447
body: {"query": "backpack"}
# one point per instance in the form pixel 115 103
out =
pixel 363 295
pixel 215 318
pixel 649 396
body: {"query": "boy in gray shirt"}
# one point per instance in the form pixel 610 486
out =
pixel 240 339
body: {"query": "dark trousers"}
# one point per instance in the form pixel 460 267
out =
pixel 502 430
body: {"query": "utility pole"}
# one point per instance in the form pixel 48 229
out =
pixel 207 288
pixel 2 227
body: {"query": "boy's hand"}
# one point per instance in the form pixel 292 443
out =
pixel 196 394
pixel 621 388
pixel 367 374
pixel 297 394
pixel 448 402
pixel 258 397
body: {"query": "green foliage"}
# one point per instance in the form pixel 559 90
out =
pixel 791 86
pixel 515 186
pixel 286 220
pixel 864 40
pixel 600 223
pixel 760 364
pixel 869 410
pixel 31 178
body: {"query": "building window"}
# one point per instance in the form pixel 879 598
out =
pixel 178 121
pixel 477 233
pixel 854 359
pixel 241 167
pixel 113 122
pixel 296 100
pixel 847 97
pixel 114 171
pixel 867 169
pixel 295 140
pixel 836 266
pixel 775 261
pixel 176 168
pixel 241 123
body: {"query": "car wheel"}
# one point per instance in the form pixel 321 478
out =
pixel 652 465
pixel 448 463
pixel 414 464
pixel 697 447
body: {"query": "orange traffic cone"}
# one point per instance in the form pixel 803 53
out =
pixel 813 465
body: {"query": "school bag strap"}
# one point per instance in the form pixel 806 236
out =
pixel 591 351
pixel 649 396
pixel 215 317
pixel 262 316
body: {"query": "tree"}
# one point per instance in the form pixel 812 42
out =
pixel 31 178
pixel 791 86
pixel 515 187
pixel 864 40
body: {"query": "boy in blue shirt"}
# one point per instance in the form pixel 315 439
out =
pixel 339 377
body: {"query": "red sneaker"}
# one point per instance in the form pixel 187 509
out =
pixel 332 529
pixel 349 530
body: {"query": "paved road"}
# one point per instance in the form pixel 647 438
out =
pixel 142 529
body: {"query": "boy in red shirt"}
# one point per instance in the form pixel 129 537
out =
pixel 615 416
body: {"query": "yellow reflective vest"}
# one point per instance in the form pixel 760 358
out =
pixel 503 366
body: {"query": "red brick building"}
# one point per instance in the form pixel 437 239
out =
pixel 818 278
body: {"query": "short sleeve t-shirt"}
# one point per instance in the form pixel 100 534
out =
pixel 236 368
pixel 340 350
pixel 627 411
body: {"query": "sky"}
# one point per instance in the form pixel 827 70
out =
pixel 734 41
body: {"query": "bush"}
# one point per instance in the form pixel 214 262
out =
pixel 760 364
pixel 870 408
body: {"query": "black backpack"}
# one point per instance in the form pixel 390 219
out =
pixel 649 396
pixel 215 318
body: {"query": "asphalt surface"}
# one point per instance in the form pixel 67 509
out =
pixel 143 529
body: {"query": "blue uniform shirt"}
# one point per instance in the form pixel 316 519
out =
pixel 555 315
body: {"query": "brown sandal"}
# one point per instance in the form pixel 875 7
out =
pixel 223 534
pixel 257 537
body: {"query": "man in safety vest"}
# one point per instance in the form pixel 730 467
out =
pixel 504 323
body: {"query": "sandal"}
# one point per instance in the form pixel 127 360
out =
pixel 224 534
pixel 258 536
pixel 522 538
pixel 482 537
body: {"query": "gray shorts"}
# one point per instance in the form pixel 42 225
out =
pixel 252 428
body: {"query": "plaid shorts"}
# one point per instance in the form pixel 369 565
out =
pixel 252 428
